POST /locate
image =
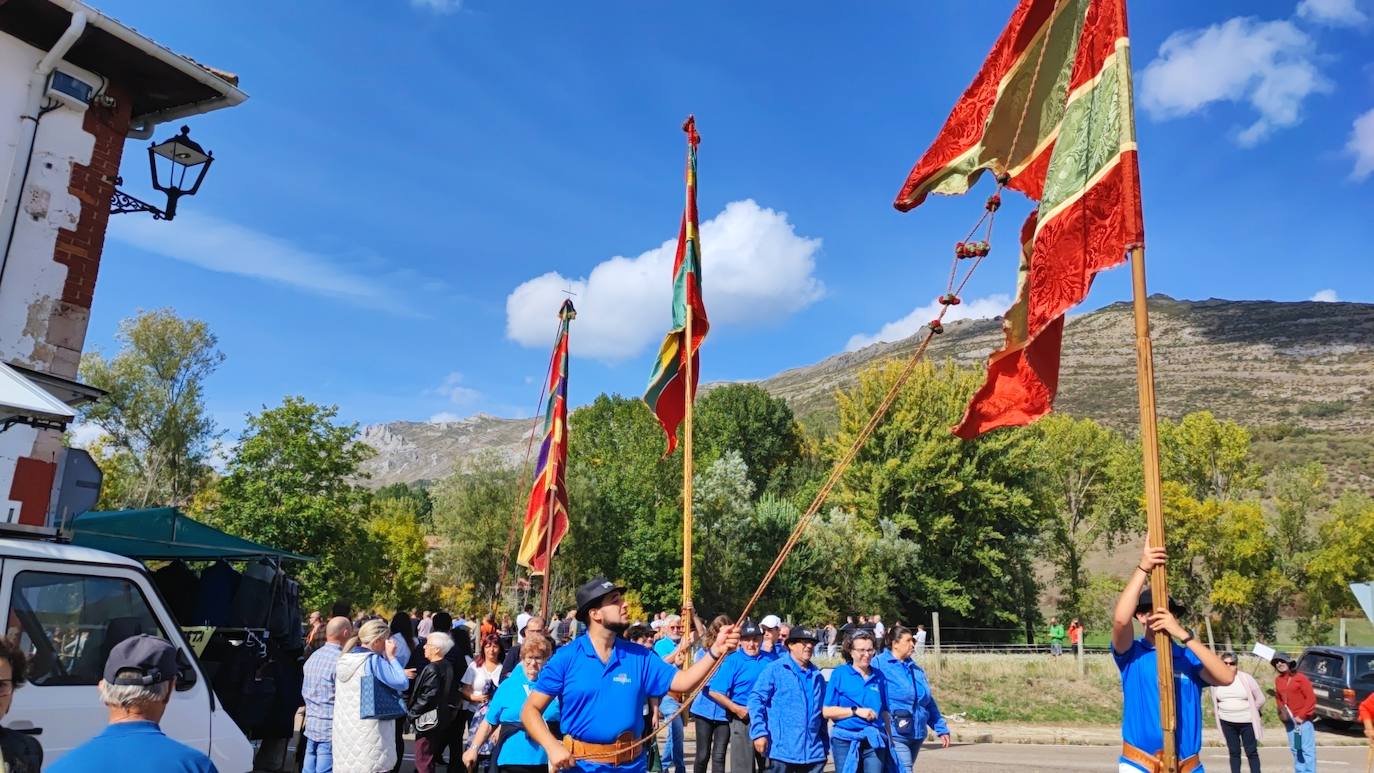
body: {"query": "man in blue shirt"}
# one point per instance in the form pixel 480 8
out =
pixel 785 709
pixel 1195 666
pixel 603 683
pixel 140 673
pixel 730 688
pixel 668 649
pixel 318 692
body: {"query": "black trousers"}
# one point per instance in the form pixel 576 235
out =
pixel 1241 734
pixel 743 758
pixel 713 740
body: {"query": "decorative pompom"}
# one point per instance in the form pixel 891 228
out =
pixel 936 327
pixel 949 299
pixel 994 202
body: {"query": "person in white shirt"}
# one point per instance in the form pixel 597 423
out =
pixel 920 640
pixel 521 620
pixel 1237 709
pixel 878 628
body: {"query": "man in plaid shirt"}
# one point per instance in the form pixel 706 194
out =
pixel 318 692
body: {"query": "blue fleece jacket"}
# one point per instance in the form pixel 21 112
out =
pixel 785 707
pixel 908 690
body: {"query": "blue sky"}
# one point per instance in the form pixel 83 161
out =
pixel 394 212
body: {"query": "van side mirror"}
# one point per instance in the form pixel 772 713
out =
pixel 186 673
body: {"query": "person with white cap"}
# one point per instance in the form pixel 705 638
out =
pixel 140 673
pixel 773 644
pixel 603 682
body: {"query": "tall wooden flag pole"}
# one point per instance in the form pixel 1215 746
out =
pixel 673 384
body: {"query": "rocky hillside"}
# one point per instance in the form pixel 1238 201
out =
pixel 1301 374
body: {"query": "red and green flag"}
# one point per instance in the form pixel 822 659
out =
pixel 666 395
pixel 1051 108
pixel 546 516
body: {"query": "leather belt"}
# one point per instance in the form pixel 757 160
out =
pixel 623 751
pixel 1153 763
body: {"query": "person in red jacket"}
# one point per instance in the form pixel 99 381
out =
pixel 1297 707
pixel 1367 716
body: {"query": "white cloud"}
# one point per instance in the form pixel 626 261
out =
pixel 1325 296
pixel 1335 13
pixel 978 308
pixel 229 248
pixel 444 417
pixel 453 389
pixel 756 271
pixel 1266 64
pixel 438 6
pixel 85 433
pixel 1361 146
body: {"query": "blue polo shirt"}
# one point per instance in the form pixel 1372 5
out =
pixel 601 701
pixel 517 748
pixel 737 675
pixel 849 689
pixel 704 706
pixel 133 747
pixel 1140 699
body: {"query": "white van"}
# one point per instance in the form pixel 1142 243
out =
pixel 68 606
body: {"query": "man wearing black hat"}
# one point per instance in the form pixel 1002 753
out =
pixel 603 683
pixel 140 674
pixel 1195 667
pixel 785 722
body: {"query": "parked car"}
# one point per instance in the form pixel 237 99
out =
pixel 1341 678
pixel 67 606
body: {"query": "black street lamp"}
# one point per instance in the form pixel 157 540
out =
pixel 182 155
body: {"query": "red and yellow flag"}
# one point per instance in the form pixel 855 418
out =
pixel 665 395
pixel 1051 108
pixel 548 507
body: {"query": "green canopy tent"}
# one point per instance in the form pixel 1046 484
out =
pixel 166 534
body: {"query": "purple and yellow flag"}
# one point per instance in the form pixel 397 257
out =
pixel 548 507
pixel 665 395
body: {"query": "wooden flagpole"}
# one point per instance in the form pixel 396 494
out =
pixel 688 618
pixel 1149 451
pixel 548 562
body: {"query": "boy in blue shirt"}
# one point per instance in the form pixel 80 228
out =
pixel 1195 666
pixel 603 683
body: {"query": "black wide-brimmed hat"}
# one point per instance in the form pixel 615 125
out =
pixel 593 591
pixel 1146 603
pixel 802 633
pixel 1286 658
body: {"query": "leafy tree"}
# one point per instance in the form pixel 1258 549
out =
pixel 289 484
pixel 1081 466
pixel 415 494
pixel 400 576
pixel 745 419
pixel 158 436
pixel 474 511
pixel 1210 458
pixel 722 517
pixel 1345 554
pixel 972 507
pixel 1299 495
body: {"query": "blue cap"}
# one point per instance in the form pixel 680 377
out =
pixel 154 659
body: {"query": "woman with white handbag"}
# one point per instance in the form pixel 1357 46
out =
pixel 430 710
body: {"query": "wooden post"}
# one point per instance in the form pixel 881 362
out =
pixel 688 615
pixel 1211 643
pixel 1154 504
pixel 1078 647
pixel 548 562
pixel 935 632
pixel 1343 639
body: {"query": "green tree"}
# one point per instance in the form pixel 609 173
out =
pixel 1211 458
pixel 417 495
pixel 1345 554
pixel 1080 464
pixel 745 419
pixel 972 507
pixel 290 484
pixel 1299 495
pixel 475 509
pixel 396 530
pixel 158 435
pixel 722 519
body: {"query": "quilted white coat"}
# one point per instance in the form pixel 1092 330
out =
pixel 360 745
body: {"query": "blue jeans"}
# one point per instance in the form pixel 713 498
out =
pixel 905 750
pixel 319 757
pixel 673 761
pixel 1302 742
pixel 778 766
pixel 870 759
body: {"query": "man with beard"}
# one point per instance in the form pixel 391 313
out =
pixel 603 683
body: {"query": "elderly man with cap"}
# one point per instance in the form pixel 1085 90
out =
pixel 140 674
pixel 1195 667
pixel 730 687
pixel 668 648
pixel 784 708
pixel 1297 708
pixel 603 683
pixel 772 646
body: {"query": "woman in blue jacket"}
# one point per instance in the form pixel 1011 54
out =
pixel 785 721
pixel 856 701
pixel 908 694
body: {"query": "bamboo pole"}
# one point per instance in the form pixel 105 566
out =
pixel 1154 504
pixel 688 616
